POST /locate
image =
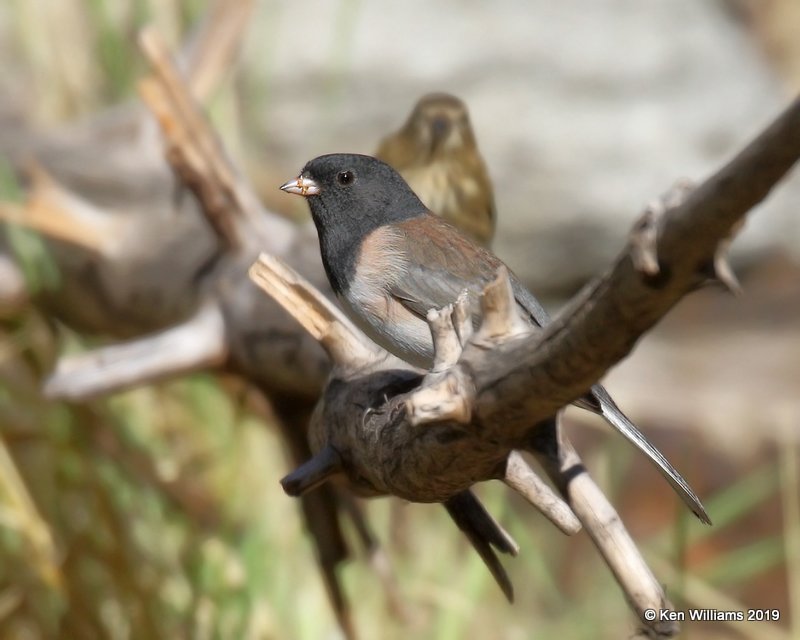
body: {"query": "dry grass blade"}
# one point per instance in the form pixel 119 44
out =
pixel 218 41
pixel 704 596
pixel 789 460
pixel 18 512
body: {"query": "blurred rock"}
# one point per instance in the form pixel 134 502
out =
pixel 584 110
pixel 722 366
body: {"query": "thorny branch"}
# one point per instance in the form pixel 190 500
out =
pixel 426 438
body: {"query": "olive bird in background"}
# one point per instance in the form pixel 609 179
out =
pixel 436 153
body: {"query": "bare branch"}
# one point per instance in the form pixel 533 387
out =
pixel 196 155
pixel 199 343
pixel 603 524
pixel 57 213
pixel 500 315
pixel 521 379
pixel 462 318
pixel 446 393
pixel 346 345
pixel 602 324
pixel 264 346
pixel 320 468
pixel 525 481
pixel 447 397
pixel 446 343
pixel 506 387
pixel 191 152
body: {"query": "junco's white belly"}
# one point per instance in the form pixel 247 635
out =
pixel 388 323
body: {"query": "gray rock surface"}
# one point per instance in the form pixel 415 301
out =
pixel 585 110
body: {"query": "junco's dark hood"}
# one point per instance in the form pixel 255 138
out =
pixel 354 192
pixel 351 195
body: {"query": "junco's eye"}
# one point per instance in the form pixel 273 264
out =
pixel 345 178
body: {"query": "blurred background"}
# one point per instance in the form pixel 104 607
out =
pixel 156 513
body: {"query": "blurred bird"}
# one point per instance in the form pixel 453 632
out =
pixel 436 153
pixel 390 261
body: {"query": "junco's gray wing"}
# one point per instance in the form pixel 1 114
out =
pixel 442 263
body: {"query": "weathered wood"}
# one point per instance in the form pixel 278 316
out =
pixel 197 344
pixel 520 477
pixel 518 378
pixel 508 380
pixel 523 379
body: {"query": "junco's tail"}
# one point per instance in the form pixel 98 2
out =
pixel 483 532
pixel 600 402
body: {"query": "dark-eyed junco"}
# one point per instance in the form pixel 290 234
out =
pixel 436 152
pixel 390 261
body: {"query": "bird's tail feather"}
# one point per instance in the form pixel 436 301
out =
pixel 607 408
pixel 483 532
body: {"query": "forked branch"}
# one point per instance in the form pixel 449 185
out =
pixel 428 438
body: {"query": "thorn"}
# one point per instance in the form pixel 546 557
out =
pixel 719 271
pixel 643 238
pixel 724 272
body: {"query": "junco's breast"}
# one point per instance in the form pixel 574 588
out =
pixel 380 265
